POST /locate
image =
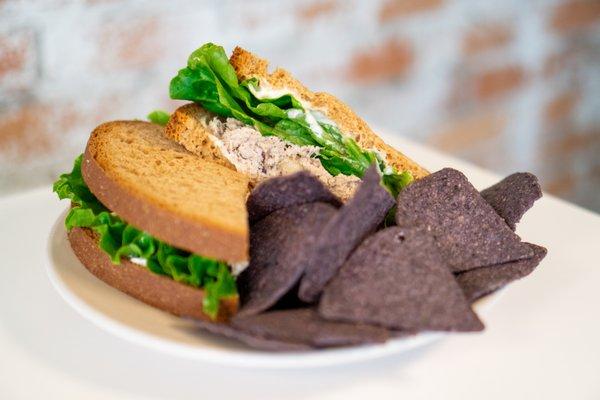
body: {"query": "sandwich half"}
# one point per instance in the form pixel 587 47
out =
pixel 156 221
pixel 266 124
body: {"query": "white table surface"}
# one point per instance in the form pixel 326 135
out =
pixel 542 339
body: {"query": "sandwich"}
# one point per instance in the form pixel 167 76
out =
pixel 157 222
pixel 266 125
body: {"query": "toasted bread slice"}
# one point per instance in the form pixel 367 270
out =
pixel 187 124
pixel 156 185
pixel 139 282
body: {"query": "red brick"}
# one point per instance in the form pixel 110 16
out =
pixel 569 143
pixel 134 44
pixel 483 38
pixel 575 14
pixel 393 9
pixel 560 107
pixel 392 59
pixel 497 82
pixel 314 10
pixel 17 55
pixel 468 131
pixel 594 173
pixel 36 129
pixel 559 62
pixel 561 185
pixel 25 132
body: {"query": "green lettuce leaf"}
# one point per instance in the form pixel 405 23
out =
pixel 210 80
pixel 159 117
pixel 119 239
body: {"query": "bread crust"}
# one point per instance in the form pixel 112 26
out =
pixel 188 126
pixel 204 239
pixel 137 281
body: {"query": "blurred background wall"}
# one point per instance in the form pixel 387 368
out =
pixel 509 85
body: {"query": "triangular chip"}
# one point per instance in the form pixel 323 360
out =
pixel 480 282
pixel 396 279
pixel 305 326
pixel 469 233
pixel 277 244
pixel 513 196
pixel 255 341
pixel 356 219
pixel 287 191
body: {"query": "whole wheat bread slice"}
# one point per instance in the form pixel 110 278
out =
pixel 187 124
pixel 139 282
pixel 156 185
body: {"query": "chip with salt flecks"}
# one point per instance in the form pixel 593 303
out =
pixel 227 331
pixel 277 244
pixel 480 282
pixel 304 325
pixel 356 219
pixel 513 196
pixel 467 230
pixel 397 279
pixel 287 191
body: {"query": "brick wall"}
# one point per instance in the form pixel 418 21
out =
pixel 509 85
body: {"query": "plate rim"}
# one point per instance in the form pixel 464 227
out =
pixel 247 359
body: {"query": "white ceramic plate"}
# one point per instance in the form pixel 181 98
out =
pixel 132 320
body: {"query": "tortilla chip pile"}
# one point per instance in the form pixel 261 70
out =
pixel 327 274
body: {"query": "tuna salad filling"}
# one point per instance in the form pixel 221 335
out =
pixel 263 157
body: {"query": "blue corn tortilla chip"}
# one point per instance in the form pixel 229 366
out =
pixel 513 196
pixel 287 191
pixel 480 282
pixel 396 279
pixel 277 245
pixel 305 326
pixel 356 219
pixel 255 341
pixel 467 230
